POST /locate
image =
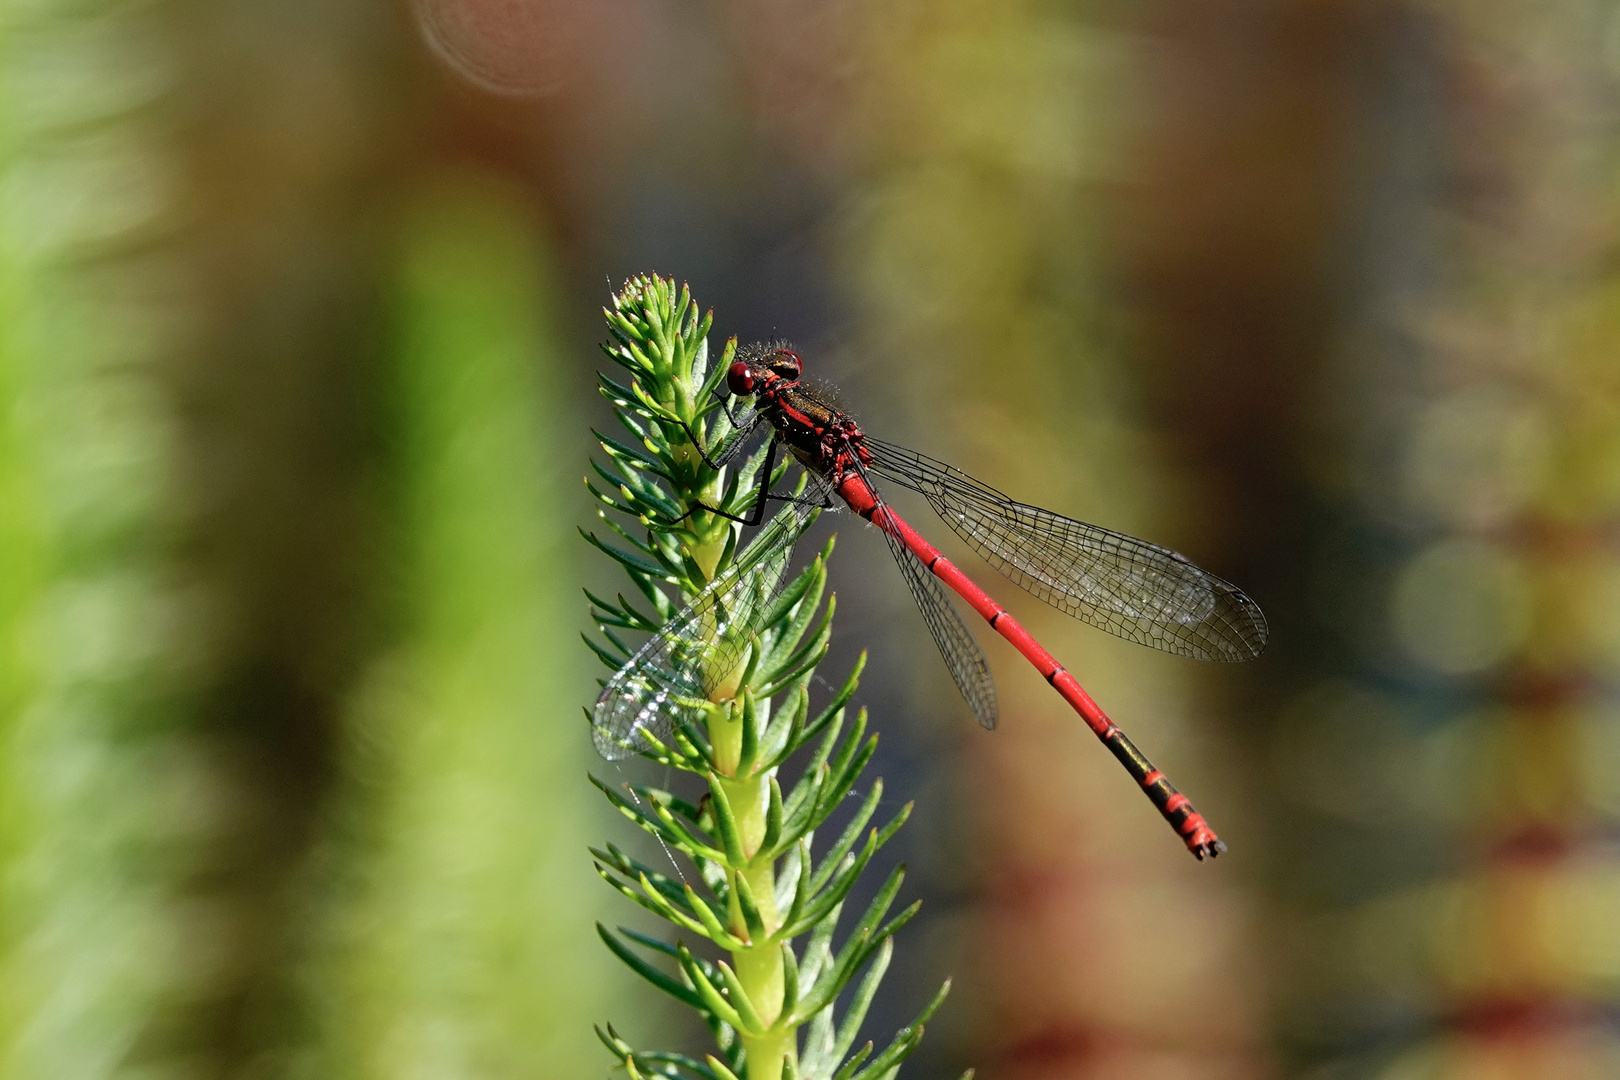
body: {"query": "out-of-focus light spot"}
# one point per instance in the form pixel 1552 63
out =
pixel 1348 751
pixel 1476 458
pixel 97 630
pixel 1573 1051
pixel 1611 43
pixel 1585 485
pixel 1522 771
pixel 125 322
pixel 925 269
pixel 104 443
pixel 1002 107
pixel 521 48
pixel 1388 946
pixel 1519 928
pixel 1428 1061
pixel 88 70
pixel 93 191
pixel 1581 930
pixel 1570 614
pixel 1461 606
pixel 1597 614
pixel 1597 758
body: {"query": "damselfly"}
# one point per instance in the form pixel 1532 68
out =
pixel 1139 591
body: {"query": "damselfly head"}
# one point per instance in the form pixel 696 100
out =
pixel 756 361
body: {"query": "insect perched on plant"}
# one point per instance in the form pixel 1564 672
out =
pixel 1128 587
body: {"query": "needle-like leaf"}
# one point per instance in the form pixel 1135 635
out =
pixel 679 991
pixel 691 446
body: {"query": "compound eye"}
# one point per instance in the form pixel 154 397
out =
pixel 786 363
pixel 740 379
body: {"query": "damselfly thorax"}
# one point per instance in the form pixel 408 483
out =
pixel 822 437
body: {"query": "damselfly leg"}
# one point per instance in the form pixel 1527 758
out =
pixel 756 513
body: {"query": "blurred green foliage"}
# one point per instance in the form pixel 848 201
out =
pixel 289 753
pixel 456 947
pixel 101 801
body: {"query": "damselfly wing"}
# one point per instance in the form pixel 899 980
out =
pixel 1133 589
pixel 670 678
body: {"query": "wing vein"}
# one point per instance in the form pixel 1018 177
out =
pixel 669 679
pixel 1133 589
pixel 957 647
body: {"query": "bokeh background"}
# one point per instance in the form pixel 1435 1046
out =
pixel 298 312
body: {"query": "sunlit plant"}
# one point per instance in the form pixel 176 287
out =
pixel 755 947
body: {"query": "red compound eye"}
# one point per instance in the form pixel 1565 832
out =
pixel 786 363
pixel 740 379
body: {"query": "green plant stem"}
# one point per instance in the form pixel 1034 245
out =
pixel 759 970
pixel 767 1053
pixel 759 967
pixel 731 741
pixel 707 554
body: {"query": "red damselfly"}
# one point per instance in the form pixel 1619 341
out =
pixel 1128 587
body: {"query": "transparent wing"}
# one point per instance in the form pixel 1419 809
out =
pixel 961 653
pixel 1139 591
pixel 670 677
